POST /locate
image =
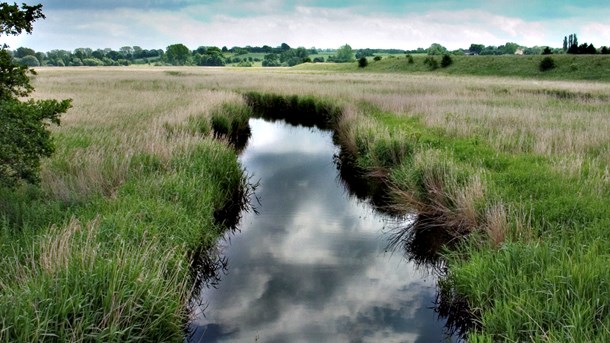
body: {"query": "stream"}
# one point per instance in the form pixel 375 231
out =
pixel 312 265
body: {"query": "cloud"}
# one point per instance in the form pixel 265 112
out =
pixel 156 24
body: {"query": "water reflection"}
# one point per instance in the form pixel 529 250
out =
pixel 311 265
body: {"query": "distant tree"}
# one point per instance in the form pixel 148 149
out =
pixel 510 48
pixel 363 62
pixel 572 44
pixel 565 43
pixel 436 49
pixel 344 54
pixel 177 54
pixel 547 51
pixel 284 47
pixel 126 51
pixel 476 48
pixel 30 61
pixel 605 50
pixel 99 54
pixel 22 52
pixel 24 138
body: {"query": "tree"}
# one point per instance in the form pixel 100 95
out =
pixel 547 51
pixel 476 48
pixel 30 61
pixel 436 49
pixel 177 54
pixel 24 138
pixel 345 54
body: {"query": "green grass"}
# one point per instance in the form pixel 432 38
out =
pixel 551 284
pixel 115 268
pixel 569 67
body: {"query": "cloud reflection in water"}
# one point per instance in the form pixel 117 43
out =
pixel 311 266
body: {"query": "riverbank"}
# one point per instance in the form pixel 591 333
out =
pixel 517 166
pixel 138 187
pixel 531 263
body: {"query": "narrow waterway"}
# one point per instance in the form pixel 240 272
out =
pixel 312 265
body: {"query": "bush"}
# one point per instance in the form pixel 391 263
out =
pixel 446 61
pixel 431 62
pixel 410 59
pixel 377 58
pixel 92 62
pixel 363 62
pixel 547 63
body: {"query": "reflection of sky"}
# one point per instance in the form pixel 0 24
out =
pixel 311 265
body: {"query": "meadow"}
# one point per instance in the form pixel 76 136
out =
pixel 516 169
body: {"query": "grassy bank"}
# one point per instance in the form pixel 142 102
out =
pixel 518 166
pixel 102 250
pixel 568 67
pixel 533 260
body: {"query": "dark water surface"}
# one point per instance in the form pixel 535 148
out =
pixel 312 265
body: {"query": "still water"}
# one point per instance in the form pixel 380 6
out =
pixel 312 265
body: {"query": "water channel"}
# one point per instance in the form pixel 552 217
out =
pixel 312 265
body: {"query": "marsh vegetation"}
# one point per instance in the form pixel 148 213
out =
pixel 516 170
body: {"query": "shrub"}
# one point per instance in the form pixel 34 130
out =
pixel 446 61
pixel 363 62
pixel 377 58
pixel 431 62
pixel 410 59
pixel 547 63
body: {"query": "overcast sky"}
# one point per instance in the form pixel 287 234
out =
pixel 156 24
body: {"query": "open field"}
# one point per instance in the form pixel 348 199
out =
pixel 568 67
pixel 518 166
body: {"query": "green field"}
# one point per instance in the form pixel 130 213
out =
pixel 514 168
pixel 569 67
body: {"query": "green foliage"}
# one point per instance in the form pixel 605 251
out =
pixel 24 138
pixel 363 62
pixel 377 58
pixel 446 61
pixel 547 63
pixel 30 61
pixel 436 49
pixel 431 62
pixel 344 54
pixel 177 54
pixel 410 59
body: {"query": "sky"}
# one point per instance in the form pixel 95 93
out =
pixel 155 24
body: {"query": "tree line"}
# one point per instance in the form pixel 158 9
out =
pixel 282 55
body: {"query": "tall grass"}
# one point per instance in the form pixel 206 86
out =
pixel 520 165
pixel 103 250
